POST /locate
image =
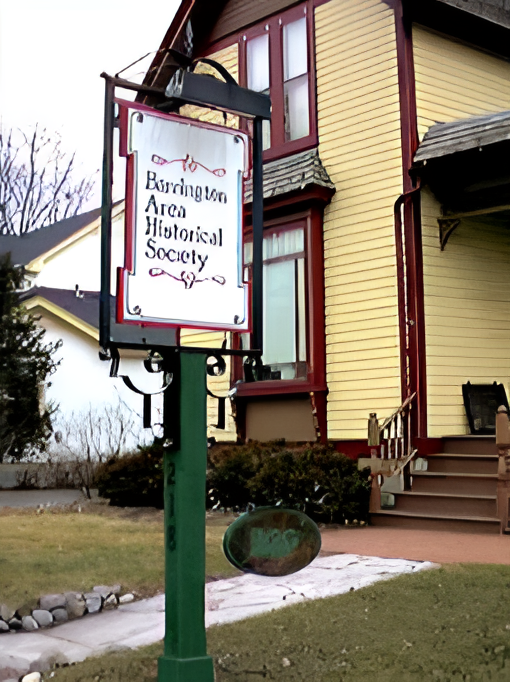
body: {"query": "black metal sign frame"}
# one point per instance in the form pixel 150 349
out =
pixel 185 87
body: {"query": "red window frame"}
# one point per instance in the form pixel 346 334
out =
pixel 311 221
pixel 280 147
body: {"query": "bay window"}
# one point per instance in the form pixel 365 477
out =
pixel 284 302
pixel 293 308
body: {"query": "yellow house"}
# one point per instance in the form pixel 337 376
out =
pixel 367 301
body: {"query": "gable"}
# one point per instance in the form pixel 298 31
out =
pixel 238 14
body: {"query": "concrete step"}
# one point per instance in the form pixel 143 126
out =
pixel 454 483
pixel 457 524
pixel 463 463
pixel 446 504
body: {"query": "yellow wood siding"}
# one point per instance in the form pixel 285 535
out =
pixel 456 81
pixel 467 313
pixel 467 294
pixel 359 143
pixel 217 385
pixel 228 57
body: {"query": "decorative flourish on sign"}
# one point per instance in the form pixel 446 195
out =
pixel 188 163
pixel 189 278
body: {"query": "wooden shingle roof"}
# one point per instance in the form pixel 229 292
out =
pixel 292 173
pixel 443 139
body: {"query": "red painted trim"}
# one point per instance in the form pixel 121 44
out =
pixel 129 224
pixel 352 448
pixel 320 403
pixel 316 305
pixel 413 323
pixel 281 387
pixel 428 446
pixel 119 310
pixel 315 195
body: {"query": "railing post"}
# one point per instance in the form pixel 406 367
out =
pixel 503 446
pixel 374 442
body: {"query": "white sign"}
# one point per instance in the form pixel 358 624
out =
pixel 183 263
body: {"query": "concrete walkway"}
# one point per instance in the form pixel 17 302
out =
pixel 140 623
pixel 34 498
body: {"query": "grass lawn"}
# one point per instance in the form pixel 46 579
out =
pixel 451 624
pixel 59 551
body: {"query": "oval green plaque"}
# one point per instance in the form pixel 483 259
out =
pixel 272 541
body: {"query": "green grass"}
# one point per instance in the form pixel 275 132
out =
pixel 55 552
pixel 446 625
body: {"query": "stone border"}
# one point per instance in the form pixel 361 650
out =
pixel 60 608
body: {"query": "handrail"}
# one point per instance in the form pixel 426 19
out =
pixel 396 433
pixel 391 448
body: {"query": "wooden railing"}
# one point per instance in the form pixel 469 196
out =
pixel 503 447
pixel 390 449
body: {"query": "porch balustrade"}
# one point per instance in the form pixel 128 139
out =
pixel 391 450
pixel 503 447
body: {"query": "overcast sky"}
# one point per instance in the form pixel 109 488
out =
pixel 52 53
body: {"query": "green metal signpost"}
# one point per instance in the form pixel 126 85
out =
pixel 185 657
pixel 184 388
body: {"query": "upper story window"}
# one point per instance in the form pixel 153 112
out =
pixel 277 59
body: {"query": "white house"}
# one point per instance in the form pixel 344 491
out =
pixel 62 265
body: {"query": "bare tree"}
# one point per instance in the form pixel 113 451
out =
pixel 37 184
pixel 87 438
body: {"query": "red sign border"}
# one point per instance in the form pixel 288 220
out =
pixel 125 107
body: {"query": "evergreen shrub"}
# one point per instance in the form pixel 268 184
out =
pixel 316 479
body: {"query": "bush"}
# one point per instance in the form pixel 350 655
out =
pixel 133 480
pixel 315 479
pixel 230 471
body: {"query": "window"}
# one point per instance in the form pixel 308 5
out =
pixel 276 59
pixel 284 303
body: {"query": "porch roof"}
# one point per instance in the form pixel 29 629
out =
pixel 444 139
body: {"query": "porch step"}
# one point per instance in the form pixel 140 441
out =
pixel 458 524
pixel 457 492
pixel 463 463
pixel 474 445
pixel 446 504
pixel 454 483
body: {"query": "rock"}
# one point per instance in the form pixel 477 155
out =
pixel 32 677
pixel 48 660
pixel 105 590
pixel 24 610
pixel 110 602
pixel 93 601
pixel 29 623
pixel 60 615
pixel 75 604
pixel 6 613
pixel 126 598
pixel 52 601
pixel 42 617
pixel 3 626
pixel 12 667
pixel 15 624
